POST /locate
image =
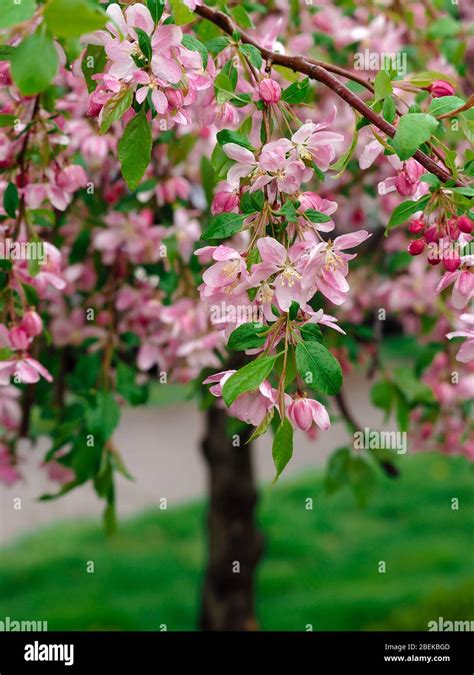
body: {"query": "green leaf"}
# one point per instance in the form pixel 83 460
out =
pixel 134 149
pixel 288 211
pixel 413 130
pixel 311 332
pixel 432 180
pixel 241 17
pixel 223 88
pixel 343 161
pixel 318 367
pixel 156 8
pixel 6 52
pixel 445 104
pixel 247 378
pixel 103 416
pixel 34 64
pixel 181 12
pixel 406 209
pixel 127 386
pixel 93 62
pixel 296 92
pixel 282 448
pixel 208 178
pixel 317 216
pixel 389 110
pixel 224 225
pixel 12 13
pixel 337 473
pixel 362 479
pixel 144 42
pixel 403 412
pixel 247 336
pixel 10 200
pixel 411 387
pixel 382 85
pixel 191 42
pixel 426 77
pixel 226 136
pixel 70 18
pixel 466 191
pixel 116 106
pixel 444 27
pixel 382 396
pixel 263 426
pixel 253 54
pixel 218 44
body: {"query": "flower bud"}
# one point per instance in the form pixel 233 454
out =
pixel 416 246
pixel 175 97
pixel 441 88
pixel 432 234
pixel 224 202
pixel 452 262
pixel 464 224
pixel 19 338
pixel 416 226
pixel 32 323
pixel 299 412
pixel 453 230
pixel 269 91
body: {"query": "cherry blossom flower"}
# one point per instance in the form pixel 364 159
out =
pixel 466 352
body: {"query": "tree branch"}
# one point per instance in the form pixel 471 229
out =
pixel 319 71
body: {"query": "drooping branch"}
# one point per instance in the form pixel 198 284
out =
pixel 320 71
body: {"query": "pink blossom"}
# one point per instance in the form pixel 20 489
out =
pixel 269 91
pixel 312 143
pixel 441 88
pixel 250 407
pixel 32 323
pixel 407 181
pixel 281 266
pixel 463 289
pixel 466 352
pixel 303 412
pixel 27 369
pixel 225 202
pixel 327 266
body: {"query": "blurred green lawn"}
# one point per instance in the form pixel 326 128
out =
pixel 320 568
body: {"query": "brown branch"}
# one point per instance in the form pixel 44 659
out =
pixel 319 71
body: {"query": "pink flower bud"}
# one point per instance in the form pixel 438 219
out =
pixel 269 91
pixel 175 97
pixel 453 230
pixel 453 262
pixel 441 88
pixel 464 224
pixel 72 178
pixel 432 234
pixel 416 226
pixel 300 414
pixel 416 246
pixel 32 323
pixel 19 338
pixel 224 202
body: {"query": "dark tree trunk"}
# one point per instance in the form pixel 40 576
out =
pixel 234 543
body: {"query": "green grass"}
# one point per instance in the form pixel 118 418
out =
pixel 320 568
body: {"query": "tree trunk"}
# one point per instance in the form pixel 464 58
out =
pixel 234 543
